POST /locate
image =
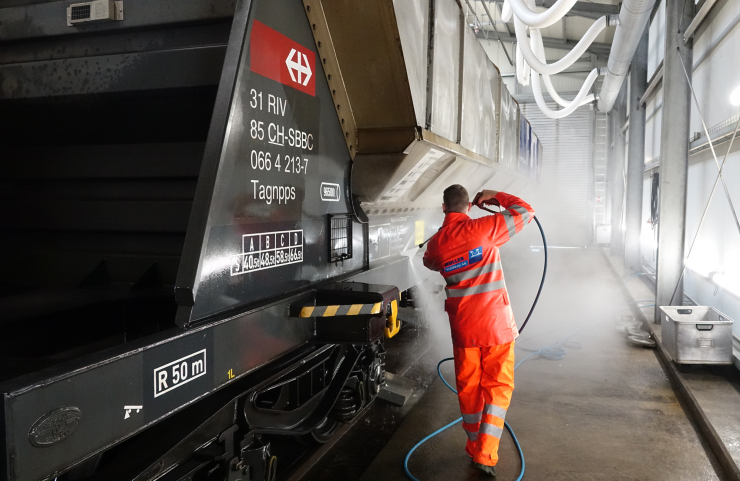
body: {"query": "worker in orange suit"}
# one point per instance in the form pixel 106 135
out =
pixel 466 252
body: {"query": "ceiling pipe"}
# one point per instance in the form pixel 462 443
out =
pixel 633 17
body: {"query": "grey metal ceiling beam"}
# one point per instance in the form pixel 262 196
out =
pixel 581 9
pixel 566 71
pixel 584 9
pixel 599 49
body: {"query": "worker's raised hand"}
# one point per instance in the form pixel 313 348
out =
pixel 485 197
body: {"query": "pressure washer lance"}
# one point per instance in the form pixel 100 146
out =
pixel 439 366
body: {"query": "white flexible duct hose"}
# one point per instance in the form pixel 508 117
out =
pixel 522 69
pixel 577 102
pixel 560 100
pixel 539 50
pixel 506 12
pixel 541 19
pixel 569 59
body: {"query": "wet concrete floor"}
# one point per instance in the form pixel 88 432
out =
pixel 605 411
pixel 715 388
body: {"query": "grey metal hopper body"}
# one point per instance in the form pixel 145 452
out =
pixel 421 104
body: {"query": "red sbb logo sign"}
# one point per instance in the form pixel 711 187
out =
pixel 275 56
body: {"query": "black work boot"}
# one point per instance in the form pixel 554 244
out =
pixel 489 470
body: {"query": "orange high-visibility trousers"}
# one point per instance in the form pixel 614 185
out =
pixel 485 381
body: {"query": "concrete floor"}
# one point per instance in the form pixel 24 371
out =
pixel 604 412
pixel 715 388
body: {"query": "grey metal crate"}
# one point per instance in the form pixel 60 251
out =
pixel 697 335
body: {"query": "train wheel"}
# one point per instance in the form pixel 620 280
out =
pixel 321 433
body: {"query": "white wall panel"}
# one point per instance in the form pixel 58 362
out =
pixel 721 15
pixel 716 74
pixel 715 77
pixel 654 116
pixel 717 246
pixel 648 236
pixel 656 40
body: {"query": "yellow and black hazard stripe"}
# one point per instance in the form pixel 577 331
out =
pixel 343 310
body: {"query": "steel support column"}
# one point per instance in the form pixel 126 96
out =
pixel 636 156
pixel 674 156
pixel 617 174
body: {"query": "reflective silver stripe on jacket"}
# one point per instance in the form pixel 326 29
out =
pixel 524 212
pixel 472 435
pixel 463 276
pixel 469 291
pixel 494 411
pixel 510 225
pixel 491 430
pixel 472 418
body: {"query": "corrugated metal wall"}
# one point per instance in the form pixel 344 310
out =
pixel 563 202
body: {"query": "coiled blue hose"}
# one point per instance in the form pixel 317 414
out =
pixel 553 352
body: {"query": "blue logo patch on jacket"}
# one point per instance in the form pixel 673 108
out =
pixel 455 264
pixel 476 255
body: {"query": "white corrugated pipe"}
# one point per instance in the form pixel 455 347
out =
pixel 633 17
pixel 577 102
pixel 569 59
pixel 581 99
pixel 522 69
pixel 536 19
pixel 506 12
pixel 539 49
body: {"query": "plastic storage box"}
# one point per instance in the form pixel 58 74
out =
pixel 697 335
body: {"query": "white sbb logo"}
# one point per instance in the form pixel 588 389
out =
pixel 298 66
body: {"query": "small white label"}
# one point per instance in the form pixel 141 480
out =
pixel 128 409
pixel 330 192
pixel 177 373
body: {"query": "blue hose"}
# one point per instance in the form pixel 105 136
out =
pixel 438 431
pixel 633 276
pixel 553 352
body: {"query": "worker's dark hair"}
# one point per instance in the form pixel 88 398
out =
pixel 456 198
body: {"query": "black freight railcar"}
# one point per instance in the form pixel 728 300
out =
pixel 170 201
pixel 203 206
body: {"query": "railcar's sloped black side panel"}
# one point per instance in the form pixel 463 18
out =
pixel 276 166
pixel 111 201
pixel 99 162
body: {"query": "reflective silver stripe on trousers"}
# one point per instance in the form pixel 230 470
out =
pixel 493 410
pixel 472 435
pixel 524 212
pixel 510 225
pixel 472 418
pixel 463 276
pixel 469 291
pixel 491 430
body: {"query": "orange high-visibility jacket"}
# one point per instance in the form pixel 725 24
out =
pixel 466 252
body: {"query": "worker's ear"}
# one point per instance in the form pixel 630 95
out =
pixel 444 208
pixel 470 206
